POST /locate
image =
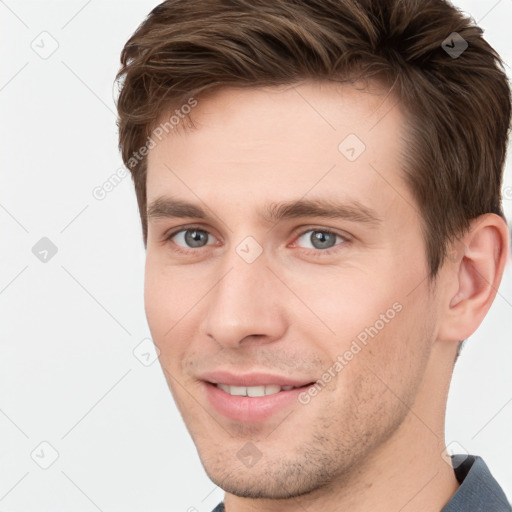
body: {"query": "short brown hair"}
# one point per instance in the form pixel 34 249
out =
pixel 458 104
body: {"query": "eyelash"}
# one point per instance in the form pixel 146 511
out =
pixel 312 252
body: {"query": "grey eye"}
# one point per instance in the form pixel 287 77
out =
pixel 191 238
pixel 319 239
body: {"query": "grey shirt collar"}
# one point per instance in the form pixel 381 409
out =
pixel 478 491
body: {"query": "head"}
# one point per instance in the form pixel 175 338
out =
pixel 319 190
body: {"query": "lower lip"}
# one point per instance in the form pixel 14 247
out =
pixel 250 409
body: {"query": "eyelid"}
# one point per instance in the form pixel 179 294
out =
pixel 302 231
pixel 173 231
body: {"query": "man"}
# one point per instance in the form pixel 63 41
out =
pixel 319 188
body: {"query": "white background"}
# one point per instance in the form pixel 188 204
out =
pixel 68 374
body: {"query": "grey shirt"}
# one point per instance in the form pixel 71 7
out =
pixel 478 491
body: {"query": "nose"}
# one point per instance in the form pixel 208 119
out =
pixel 245 306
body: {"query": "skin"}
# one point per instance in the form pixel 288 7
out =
pixel 373 437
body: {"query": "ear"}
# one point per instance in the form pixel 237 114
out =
pixel 473 274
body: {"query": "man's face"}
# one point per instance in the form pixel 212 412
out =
pixel 262 289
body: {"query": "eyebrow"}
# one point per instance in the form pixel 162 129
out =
pixel 353 211
pixel 166 207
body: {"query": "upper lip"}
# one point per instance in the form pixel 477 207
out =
pixel 252 379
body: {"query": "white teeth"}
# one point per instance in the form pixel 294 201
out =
pixel 253 391
pixel 224 387
pixel 256 391
pixel 238 390
pixel 272 389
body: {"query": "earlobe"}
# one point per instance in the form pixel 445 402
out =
pixel 476 273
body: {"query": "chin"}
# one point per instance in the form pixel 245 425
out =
pixel 275 480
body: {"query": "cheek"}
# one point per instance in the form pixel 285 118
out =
pixel 344 304
pixel 168 294
pixel 396 357
pixel 380 377
pixel 156 301
pixel 165 303
pixel 376 325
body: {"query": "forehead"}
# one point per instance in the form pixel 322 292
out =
pixel 283 142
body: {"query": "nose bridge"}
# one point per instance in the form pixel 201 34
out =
pixel 244 302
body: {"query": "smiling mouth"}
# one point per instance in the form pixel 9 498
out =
pixel 256 391
pixel 265 397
